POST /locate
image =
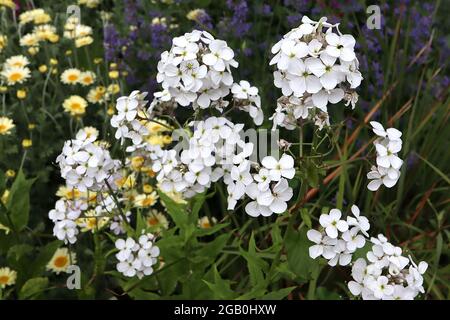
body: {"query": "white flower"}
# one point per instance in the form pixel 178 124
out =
pixel 380 176
pixel 279 168
pixel 276 198
pixel 137 258
pixel 324 246
pixel 291 51
pixel 220 54
pixel 387 155
pixel 353 239
pixel 381 288
pixel 358 221
pixel 340 46
pixel 243 90
pixel 321 98
pixel 332 223
pixel 343 257
pixel 391 133
pixel 302 80
pixel 263 179
pixel 314 62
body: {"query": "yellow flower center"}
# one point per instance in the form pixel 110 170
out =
pixel 4 279
pixel 15 76
pixel 72 77
pixel 152 221
pixel 75 106
pixel 61 262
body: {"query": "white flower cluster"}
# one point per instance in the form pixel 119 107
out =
pixel 269 188
pixel 216 150
pixel 64 217
pixel 127 121
pixel 197 71
pixel 385 274
pixel 137 258
pixel 339 238
pixel 315 68
pixel 248 100
pixel 86 164
pixel 387 171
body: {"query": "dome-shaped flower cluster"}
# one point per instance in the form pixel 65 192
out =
pixel 339 238
pixel 385 275
pixel 317 67
pixel 387 171
pixel 64 217
pixel 86 164
pixel 217 151
pixel 130 115
pixel 197 71
pixel 137 258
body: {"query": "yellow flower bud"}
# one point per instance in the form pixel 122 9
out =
pixel 53 62
pixel 43 68
pixel 26 143
pixel 113 74
pixel 147 188
pixel 33 50
pixel 21 94
pixel 31 126
pixel 10 173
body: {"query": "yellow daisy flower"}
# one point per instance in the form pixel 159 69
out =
pixel 87 78
pixel 71 76
pixel 46 32
pixel 6 125
pixel 68 193
pixel 7 277
pixel 19 61
pixel 91 132
pixel 83 41
pixel 75 105
pixel 37 16
pixel 8 3
pixel 29 40
pixel 61 260
pixel 15 75
pixel 145 200
pixel 96 95
pixel 205 222
pixel 157 221
pixel 91 221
